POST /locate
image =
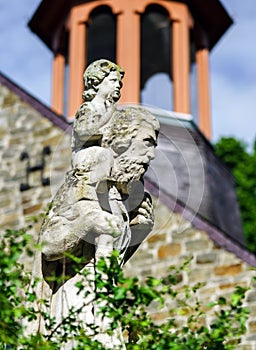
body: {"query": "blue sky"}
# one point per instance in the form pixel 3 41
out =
pixel 27 61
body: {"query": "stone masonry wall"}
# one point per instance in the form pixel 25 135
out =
pixel 173 241
pixel 24 129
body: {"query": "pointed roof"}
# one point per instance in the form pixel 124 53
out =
pixel 210 15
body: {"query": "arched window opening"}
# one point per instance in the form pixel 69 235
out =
pixel 156 55
pixel 101 35
pixel 158 91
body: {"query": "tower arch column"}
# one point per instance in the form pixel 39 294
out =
pixel 58 68
pixel 128 53
pixel 181 63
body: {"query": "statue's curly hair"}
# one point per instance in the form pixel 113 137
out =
pixel 95 73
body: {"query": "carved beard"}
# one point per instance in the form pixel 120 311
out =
pixel 127 170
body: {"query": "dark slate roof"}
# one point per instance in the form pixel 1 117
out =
pixel 47 112
pixel 210 15
pixel 189 178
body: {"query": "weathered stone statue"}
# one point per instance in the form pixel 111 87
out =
pixel 102 205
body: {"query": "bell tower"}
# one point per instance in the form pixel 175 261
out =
pixel 145 37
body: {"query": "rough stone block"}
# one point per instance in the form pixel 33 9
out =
pixel 230 270
pixel 189 234
pixel 252 327
pixel 245 347
pixel 10 220
pixel 32 209
pixel 161 237
pixel 167 250
pixel 251 297
pixel 207 258
pixel 252 338
pixel 198 245
pixel 141 258
pixel 202 274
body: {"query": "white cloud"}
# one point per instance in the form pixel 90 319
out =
pixel 233 76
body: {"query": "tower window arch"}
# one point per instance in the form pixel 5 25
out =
pixel 101 35
pixel 156 55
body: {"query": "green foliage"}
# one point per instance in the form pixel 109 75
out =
pixel 243 166
pixel 125 301
pixel 12 282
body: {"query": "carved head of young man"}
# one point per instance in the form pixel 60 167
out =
pixel 103 82
pixel 103 77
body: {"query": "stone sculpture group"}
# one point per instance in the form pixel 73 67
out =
pixel 101 205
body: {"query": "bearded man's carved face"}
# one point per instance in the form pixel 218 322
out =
pixel 133 162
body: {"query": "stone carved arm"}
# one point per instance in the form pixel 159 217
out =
pixel 69 233
pixel 85 127
pixel 88 124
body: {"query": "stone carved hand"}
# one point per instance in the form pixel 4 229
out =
pixel 145 213
pixel 140 225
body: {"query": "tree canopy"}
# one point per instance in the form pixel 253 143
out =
pixel 242 164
